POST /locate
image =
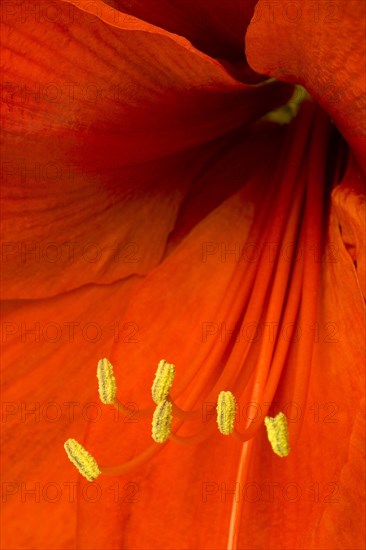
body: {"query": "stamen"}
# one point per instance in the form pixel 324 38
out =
pixel 278 434
pixel 107 386
pixel 197 438
pixel 236 510
pixel 133 463
pixel 164 378
pixel 162 421
pixel 226 412
pixel 84 462
pixel 250 284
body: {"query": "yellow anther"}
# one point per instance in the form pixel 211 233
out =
pixel 83 460
pixel 226 412
pixel 107 386
pixel 162 421
pixel 278 434
pixel 164 378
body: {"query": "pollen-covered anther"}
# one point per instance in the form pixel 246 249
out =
pixel 277 433
pixel 107 385
pixel 164 378
pixel 82 460
pixel 162 422
pixel 226 412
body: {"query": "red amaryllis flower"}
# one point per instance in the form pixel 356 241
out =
pixel 151 210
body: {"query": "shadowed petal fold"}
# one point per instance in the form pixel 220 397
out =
pixel 214 27
pixel 320 45
pixel 94 131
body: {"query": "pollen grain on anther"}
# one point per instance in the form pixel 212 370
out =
pixel 82 460
pixel 277 433
pixel 163 381
pixel 107 385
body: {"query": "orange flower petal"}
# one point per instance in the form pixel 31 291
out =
pixel 214 27
pixel 170 309
pixel 315 493
pixel 174 307
pixel 49 391
pixel 86 128
pixel 59 372
pixel 349 205
pixel 321 46
pixel 337 523
pixel 129 84
pixel 193 483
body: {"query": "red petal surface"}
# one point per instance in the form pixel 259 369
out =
pixel 187 205
pixel 313 498
pixel 181 498
pixel 321 46
pixel 50 371
pixel 60 368
pixel 93 109
pixel 215 27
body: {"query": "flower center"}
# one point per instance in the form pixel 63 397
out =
pixel 283 291
pixel 162 419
